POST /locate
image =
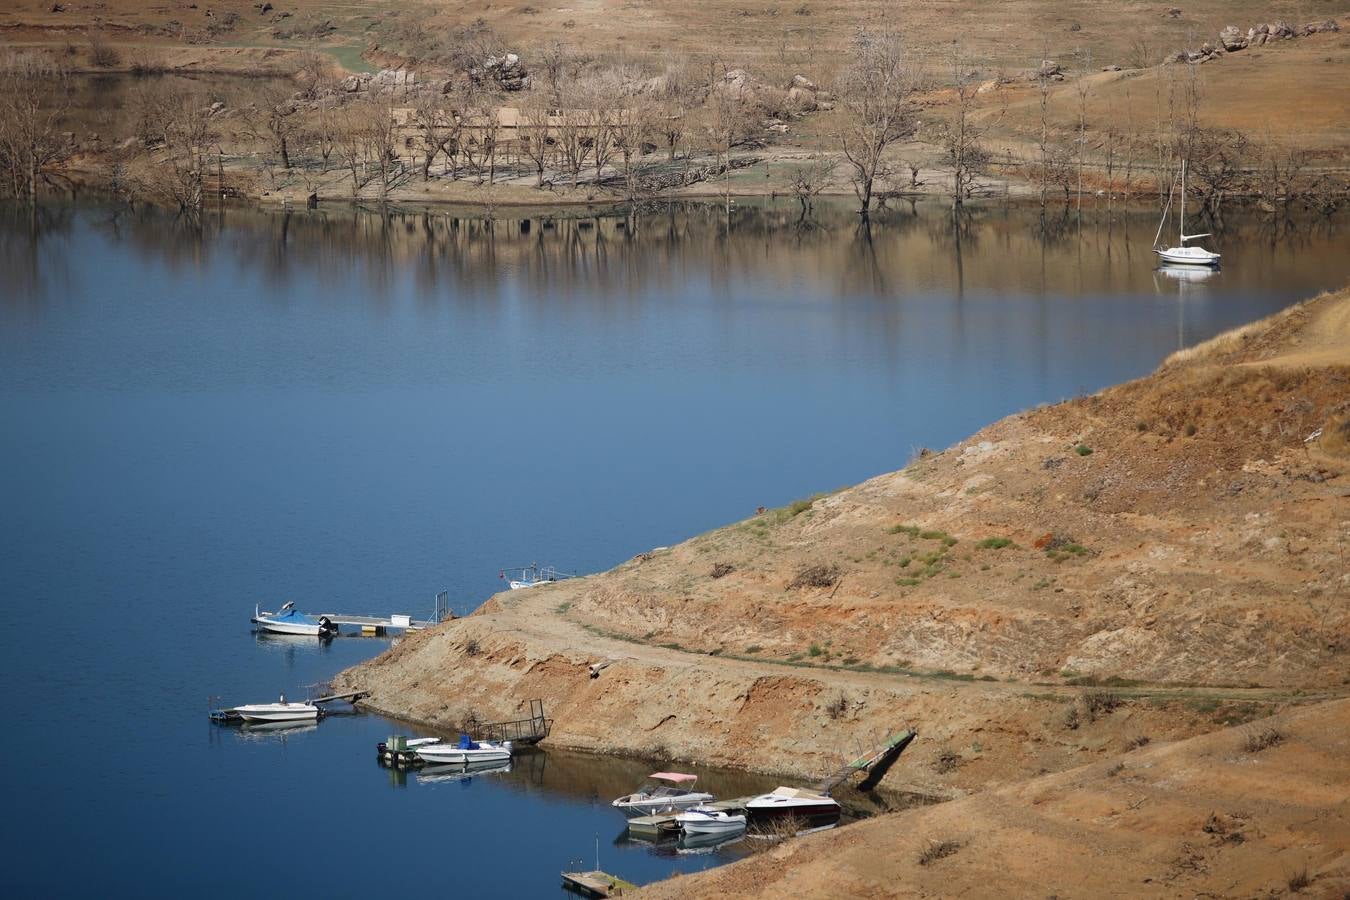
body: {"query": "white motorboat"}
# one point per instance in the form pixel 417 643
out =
pixel 281 711
pixel 706 820
pixel 465 752
pixel 289 620
pixel 662 792
pixel 1181 255
pixel 811 808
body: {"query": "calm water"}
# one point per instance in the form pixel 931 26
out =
pixel 356 411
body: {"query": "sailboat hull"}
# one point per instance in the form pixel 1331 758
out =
pixel 1188 256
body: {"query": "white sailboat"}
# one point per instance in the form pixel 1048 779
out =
pixel 1181 255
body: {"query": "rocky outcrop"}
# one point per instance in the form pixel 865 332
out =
pixel 1049 70
pixel 506 71
pixel 1231 38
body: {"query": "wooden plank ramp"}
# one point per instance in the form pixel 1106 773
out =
pixel 597 884
pixel 875 763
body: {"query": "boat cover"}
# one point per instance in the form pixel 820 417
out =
pixel 467 743
pixel 676 777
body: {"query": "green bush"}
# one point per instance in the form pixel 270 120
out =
pixel 994 543
pixel 1083 450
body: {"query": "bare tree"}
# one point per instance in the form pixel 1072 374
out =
pixel 34 99
pixel 808 179
pixel 437 127
pixel 273 119
pixel 353 143
pixel 574 137
pixel 630 127
pixel 724 124
pixel 875 92
pixel 962 138
pixel 188 135
pixel 677 95
pixel 536 133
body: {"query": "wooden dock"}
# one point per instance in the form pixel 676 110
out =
pixel 597 884
pixel 651 826
pixel 378 625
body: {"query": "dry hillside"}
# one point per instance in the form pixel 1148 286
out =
pixel 1256 811
pixel 1151 561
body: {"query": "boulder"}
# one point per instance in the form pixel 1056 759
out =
pixel 800 99
pixel 1172 12
pixel 507 71
pixel 1111 68
pixel 1319 27
pixel 801 81
pixel 1050 69
pixel 1231 38
pixel 1281 31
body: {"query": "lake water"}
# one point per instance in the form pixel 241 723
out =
pixel 356 411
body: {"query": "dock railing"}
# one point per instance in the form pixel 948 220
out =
pixel 520 731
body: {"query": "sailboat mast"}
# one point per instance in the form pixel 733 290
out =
pixel 1182 231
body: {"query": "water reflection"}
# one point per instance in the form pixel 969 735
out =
pixel 614 257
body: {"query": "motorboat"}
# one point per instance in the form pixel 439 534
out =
pixel 811 808
pixel 289 620
pixel 662 792
pixel 1181 255
pixel 281 711
pixel 466 751
pixel 707 820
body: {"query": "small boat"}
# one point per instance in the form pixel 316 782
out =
pixel 706 820
pixel 465 752
pixel 281 711
pixel 289 620
pixel 662 792
pixel 1181 255
pixel 811 808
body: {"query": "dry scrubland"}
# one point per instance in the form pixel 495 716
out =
pixel 1069 591
pixel 1276 112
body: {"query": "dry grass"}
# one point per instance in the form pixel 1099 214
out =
pixel 1256 740
pixel 937 850
pixel 815 576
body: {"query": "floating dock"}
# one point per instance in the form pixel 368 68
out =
pixel 378 625
pixel 597 884
pixel 651 826
pixel 523 732
pixel 876 764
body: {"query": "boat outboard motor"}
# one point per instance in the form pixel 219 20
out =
pixel 326 627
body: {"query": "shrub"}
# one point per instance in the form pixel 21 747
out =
pixel 1135 743
pixel 1083 450
pixel 817 576
pixel 938 850
pixel 1099 703
pixel 911 530
pixel 797 507
pixel 994 543
pixel 1115 770
pixel 753 648
pixel 947 760
pixel 721 570
pixel 1256 741
pixel 472 649
pixel 815 650
pixel 1299 880
pixel 1071 718
pixel 836 707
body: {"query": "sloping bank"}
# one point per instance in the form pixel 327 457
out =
pixel 1153 561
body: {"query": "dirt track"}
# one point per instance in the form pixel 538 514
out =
pixel 1208 555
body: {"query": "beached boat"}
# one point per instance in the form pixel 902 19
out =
pixel 281 711
pixel 662 792
pixel 289 620
pixel 1181 255
pixel 811 808
pixel 706 820
pixel 465 752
